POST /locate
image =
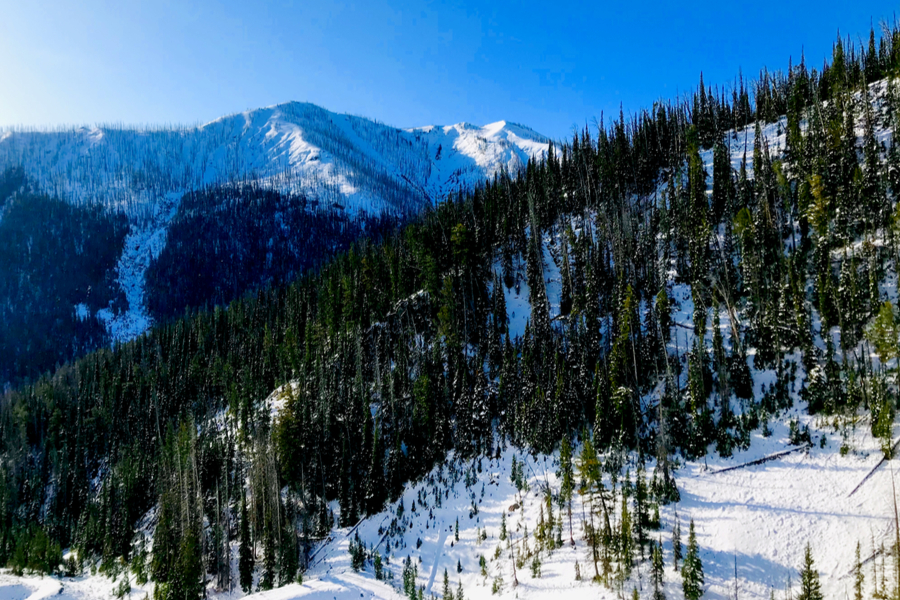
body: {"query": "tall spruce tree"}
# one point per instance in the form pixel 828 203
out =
pixel 692 572
pixel 245 551
pixel 810 587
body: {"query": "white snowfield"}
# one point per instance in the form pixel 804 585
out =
pixel 47 588
pixel 756 519
pixel 348 586
pixel 352 163
pixel 335 158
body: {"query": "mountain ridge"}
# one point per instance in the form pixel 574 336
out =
pixel 295 145
pixel 343 162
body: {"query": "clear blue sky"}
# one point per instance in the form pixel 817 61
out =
pixel 550 64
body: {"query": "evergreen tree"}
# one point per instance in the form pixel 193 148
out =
pixel 566 476
pixel 676 543
pixel 657 571
pixel 245 552
pixel 810 587
pixel 626 541
pixel 447 593
pixel 692 571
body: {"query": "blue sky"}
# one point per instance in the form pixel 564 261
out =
pixel 551 64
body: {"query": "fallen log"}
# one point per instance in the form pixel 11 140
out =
pixel 875 468
pixel 762 460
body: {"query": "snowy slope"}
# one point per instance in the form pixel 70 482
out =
pixel 757 517
pixel 335 159
pixel 359 163
pixel 44 588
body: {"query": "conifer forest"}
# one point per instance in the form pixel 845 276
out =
pixel 662 289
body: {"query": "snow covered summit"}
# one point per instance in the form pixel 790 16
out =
pixel 352 161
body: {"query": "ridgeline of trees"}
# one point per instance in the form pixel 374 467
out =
pixel 399 350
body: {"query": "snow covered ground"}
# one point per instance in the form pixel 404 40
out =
pixel 31 587
pixel 756 518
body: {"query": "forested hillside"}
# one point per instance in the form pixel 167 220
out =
pixel 660 287
pixel 57 266
pixel 227 241
pixel 65 281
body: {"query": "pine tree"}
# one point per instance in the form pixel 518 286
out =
pixel 378 566
pixel 641 510
pixel 447 593
pixel 883 333
pixel 626 541
pixel 267 581
pixel 589 473
pixel 676 543
pixel 692 571
pixel 245 552
pixel 657 572
pixel 810 587
pixel 566 475
pixel 858 577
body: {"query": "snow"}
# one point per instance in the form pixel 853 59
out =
pixel 30 587
pixel 347 586
pixel 518 306
pixel 295 146
pixel 277 399
pixel 480 152
pixel 761 516
pixel 82 311
pixel 753 521
pixel 765 515
pixel 142 244
pixel 516 297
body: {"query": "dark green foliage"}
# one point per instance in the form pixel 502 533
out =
pixel 810 587
pixel 357 553
pixel 378 566
pixel 226 241
pixel 447 592
pixel 566 475
pixel 692 571
pixel 676 543
pixel 36 553
pixel 657 572
pixel 245 551
pixel 53 256
pixel 410 573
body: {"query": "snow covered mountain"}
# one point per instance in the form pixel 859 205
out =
pixel 349 163
pixel 352 161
